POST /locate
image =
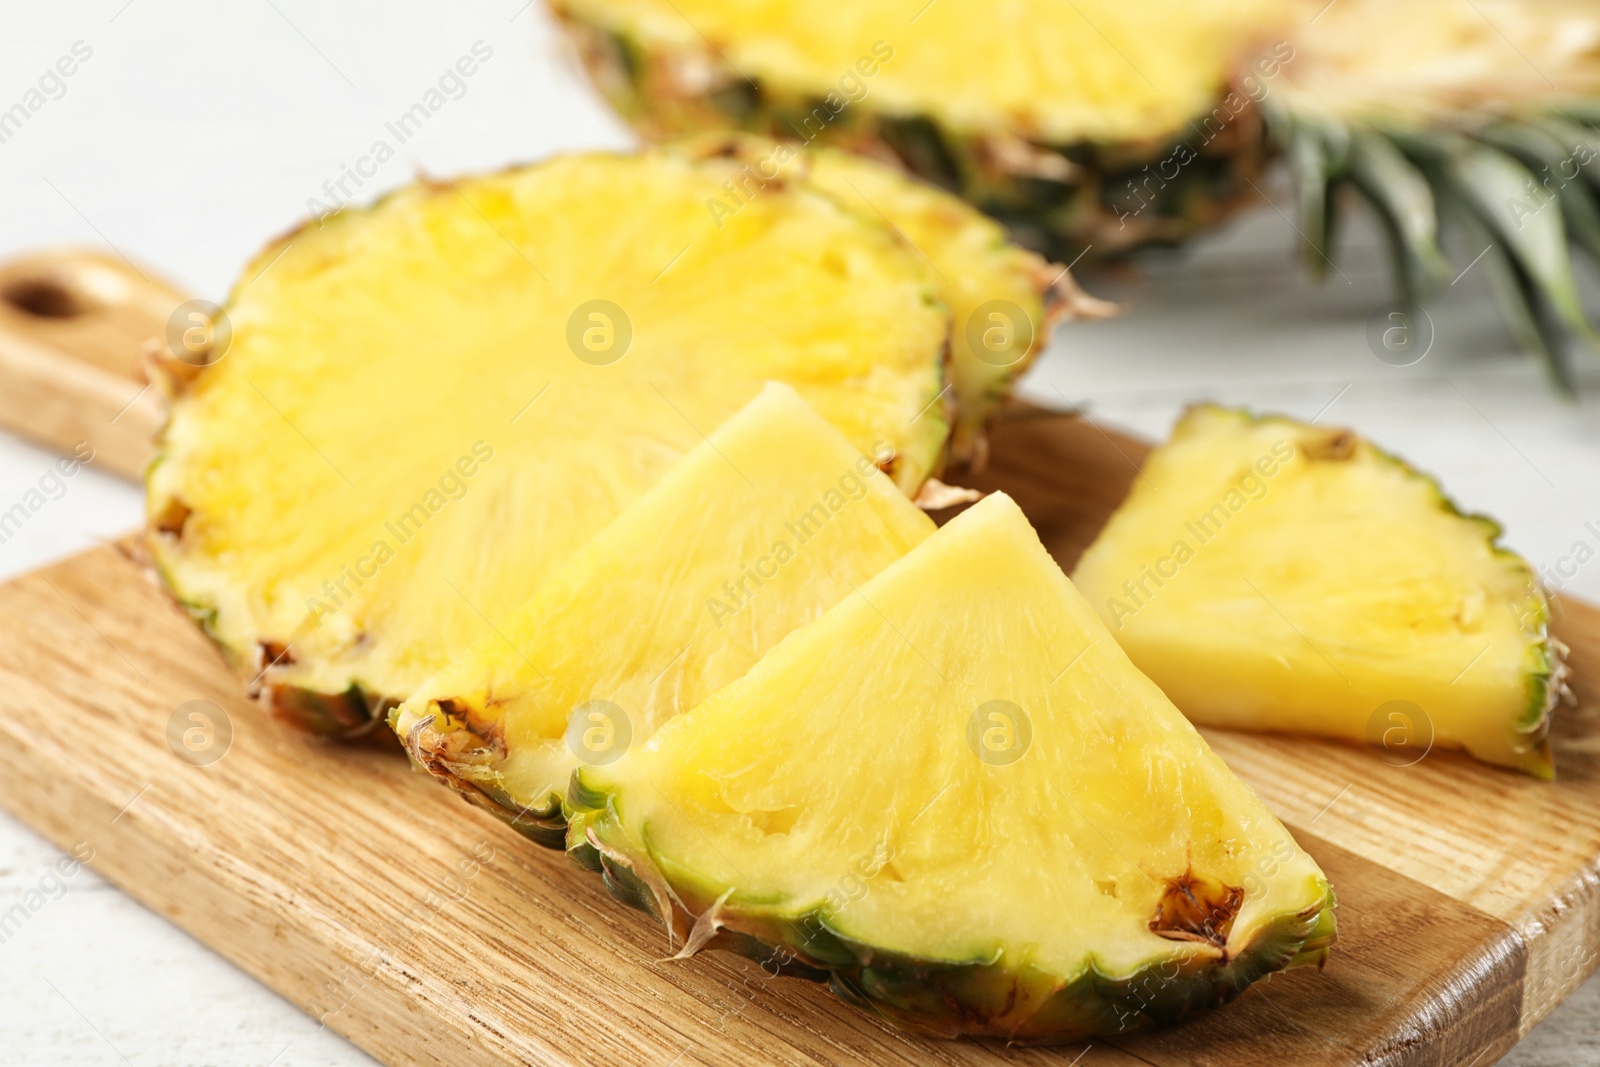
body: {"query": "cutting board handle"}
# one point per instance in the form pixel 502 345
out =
pixel 73 324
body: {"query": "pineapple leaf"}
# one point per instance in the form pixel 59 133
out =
pixel 1405 203
pixel 1548 157
pixel 1586 112
pixel 1519 300
pixel 1317 154
pixel 1501 191
pixel 1577 139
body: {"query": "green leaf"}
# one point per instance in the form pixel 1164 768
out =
pixel 1583 112
pixel 1318 155
pixel 1581 143
pixel 1557 173
pixel 1498 189
pixel 1404 202
pixel 1519 299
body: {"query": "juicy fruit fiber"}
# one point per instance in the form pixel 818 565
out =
pixel 1003 299
pixel 757 531
pixel 1272 575
pixel 955 798
pixel 413 387
pixel 1102 127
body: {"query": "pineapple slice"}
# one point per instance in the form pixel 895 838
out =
pixel 429 405
pixel 770 521
pixel 955 798
pixel 1272 575
pixel 1004 300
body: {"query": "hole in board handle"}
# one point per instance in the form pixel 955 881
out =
pixel 44 298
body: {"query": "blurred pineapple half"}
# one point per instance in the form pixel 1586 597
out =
pixel 1100 127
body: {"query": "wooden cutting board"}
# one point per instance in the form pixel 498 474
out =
pixel 428 933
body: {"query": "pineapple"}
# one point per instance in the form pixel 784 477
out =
pixel 429 405
pixel 1273 575
pixel 954 798
pixel 1102 126
pixel 999 293
pixel 763 526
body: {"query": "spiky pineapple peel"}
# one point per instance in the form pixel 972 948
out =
pixel 1274 575
pixel 954 798
pixel 412 384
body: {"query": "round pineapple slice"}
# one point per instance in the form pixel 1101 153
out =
pixel 1039 112
pixel 954 798
pixel 428 405
pixel 1004 300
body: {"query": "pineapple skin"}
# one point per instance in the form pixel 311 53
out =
pixel 1056 200
pixel 944 998
pixel 456 755
pixel 350 715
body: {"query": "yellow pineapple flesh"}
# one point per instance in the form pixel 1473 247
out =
pixel 955 796
pixel 1094 71
pixel 430 404
pixel 1274 575
pixel 770 521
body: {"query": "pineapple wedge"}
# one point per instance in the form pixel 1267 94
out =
pixel 1272 575
pixel 508 360
pixel 954 798
pixel 771 520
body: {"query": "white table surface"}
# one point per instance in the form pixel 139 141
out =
pixel 197 130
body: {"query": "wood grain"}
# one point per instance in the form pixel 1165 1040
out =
pixel 72 325
pixel 429 934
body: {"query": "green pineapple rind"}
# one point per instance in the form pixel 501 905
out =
pixel 980 997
